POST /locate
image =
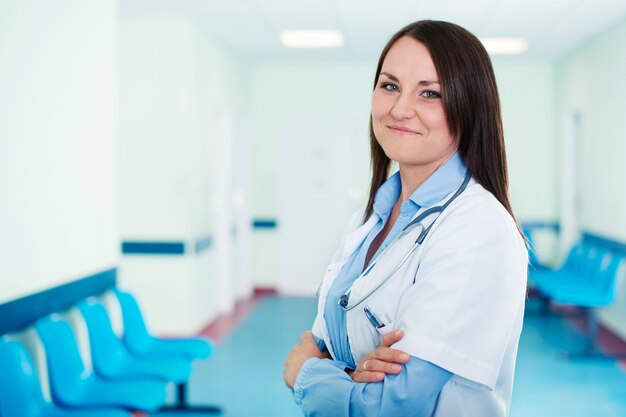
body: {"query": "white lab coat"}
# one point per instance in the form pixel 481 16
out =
pixel 459 300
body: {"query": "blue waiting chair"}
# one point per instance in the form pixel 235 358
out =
pixel 571 267
pixel 20 392
pixel 587 267
pixel 139 340
pixel 542 280
pixel 597 291
pixel 72 385
pixel 111 358
pixel 600 291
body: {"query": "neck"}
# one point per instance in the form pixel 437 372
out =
pixel 413 176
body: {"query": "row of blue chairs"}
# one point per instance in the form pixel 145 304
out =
pixel 587 279
pixel 84 368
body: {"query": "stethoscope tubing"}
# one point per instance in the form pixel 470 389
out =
pixel 344 300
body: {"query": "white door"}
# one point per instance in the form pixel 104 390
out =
pixel 570 166
pixel 223 212
pixel 242 217
pixel 315 166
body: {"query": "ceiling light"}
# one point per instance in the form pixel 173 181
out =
pixel 311 38
pixel 509 46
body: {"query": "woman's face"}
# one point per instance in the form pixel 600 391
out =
pixel 408 117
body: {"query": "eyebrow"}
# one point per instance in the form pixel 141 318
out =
pixel 394 78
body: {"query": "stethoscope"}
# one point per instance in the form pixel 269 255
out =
pixel 344 300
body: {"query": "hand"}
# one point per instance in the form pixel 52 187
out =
pixel 384 360
pixel 303 351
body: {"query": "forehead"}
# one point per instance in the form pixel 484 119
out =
pixel 409 59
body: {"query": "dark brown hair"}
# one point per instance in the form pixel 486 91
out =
pixel 470 100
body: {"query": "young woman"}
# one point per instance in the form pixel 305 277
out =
pixel 421 310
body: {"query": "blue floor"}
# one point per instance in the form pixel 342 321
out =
pixel 546 385
pixel 245 374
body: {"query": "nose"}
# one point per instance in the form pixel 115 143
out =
pixel 402 108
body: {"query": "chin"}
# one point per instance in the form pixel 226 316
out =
pixel 402 156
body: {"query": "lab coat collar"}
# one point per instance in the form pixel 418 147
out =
pixel 434 189
pixel 441 182
pixel 357 236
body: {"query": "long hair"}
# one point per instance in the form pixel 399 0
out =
pixel 471 104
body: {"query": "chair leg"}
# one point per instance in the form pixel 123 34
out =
pixel 592 350
pixel 182 406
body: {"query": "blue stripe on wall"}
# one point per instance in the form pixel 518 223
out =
pixel 613 245
pixel 153 248
pixel 555 226
pixel 18 314
pixel 264 224
pixel 203 244
pixel 165 248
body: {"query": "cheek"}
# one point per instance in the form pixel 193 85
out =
pixel 377 114
pixel 376 123
pixel 438 119
pixel 379 107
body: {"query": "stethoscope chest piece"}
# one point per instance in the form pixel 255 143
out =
pixel 344 300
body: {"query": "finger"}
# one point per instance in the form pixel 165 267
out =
pixel 374 365
pixel 364 376
pixel 391 338
pixel 295 348
pixel 371 355
pixel 306 336
pixel 390 355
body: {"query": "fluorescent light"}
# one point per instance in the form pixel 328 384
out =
pixel 508 46
pixel 311 38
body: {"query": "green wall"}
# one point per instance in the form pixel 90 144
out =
pixel 590 81
pixel 342 90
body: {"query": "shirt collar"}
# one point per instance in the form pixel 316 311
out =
pixel 440 183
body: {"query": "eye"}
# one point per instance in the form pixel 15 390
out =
pixel 389 87
pixel 430 94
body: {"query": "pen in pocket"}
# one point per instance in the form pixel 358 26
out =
pixel 373 318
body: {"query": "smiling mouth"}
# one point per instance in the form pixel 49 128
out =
pixel 401 130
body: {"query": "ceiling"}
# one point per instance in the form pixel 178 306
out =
pixel 553 27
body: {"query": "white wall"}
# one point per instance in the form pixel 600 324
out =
pixel 161 149
pixel 181 92
pixel 527 90
pixel 317 96
pixel 58 106
pixel 528 111
pixel 591 82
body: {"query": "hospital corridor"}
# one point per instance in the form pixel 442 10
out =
pixel 330 208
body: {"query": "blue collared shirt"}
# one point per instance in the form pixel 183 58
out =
pixel 322 387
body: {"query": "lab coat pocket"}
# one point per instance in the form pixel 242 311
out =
pixel 385 329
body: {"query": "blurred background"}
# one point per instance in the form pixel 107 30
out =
pixel 183 145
